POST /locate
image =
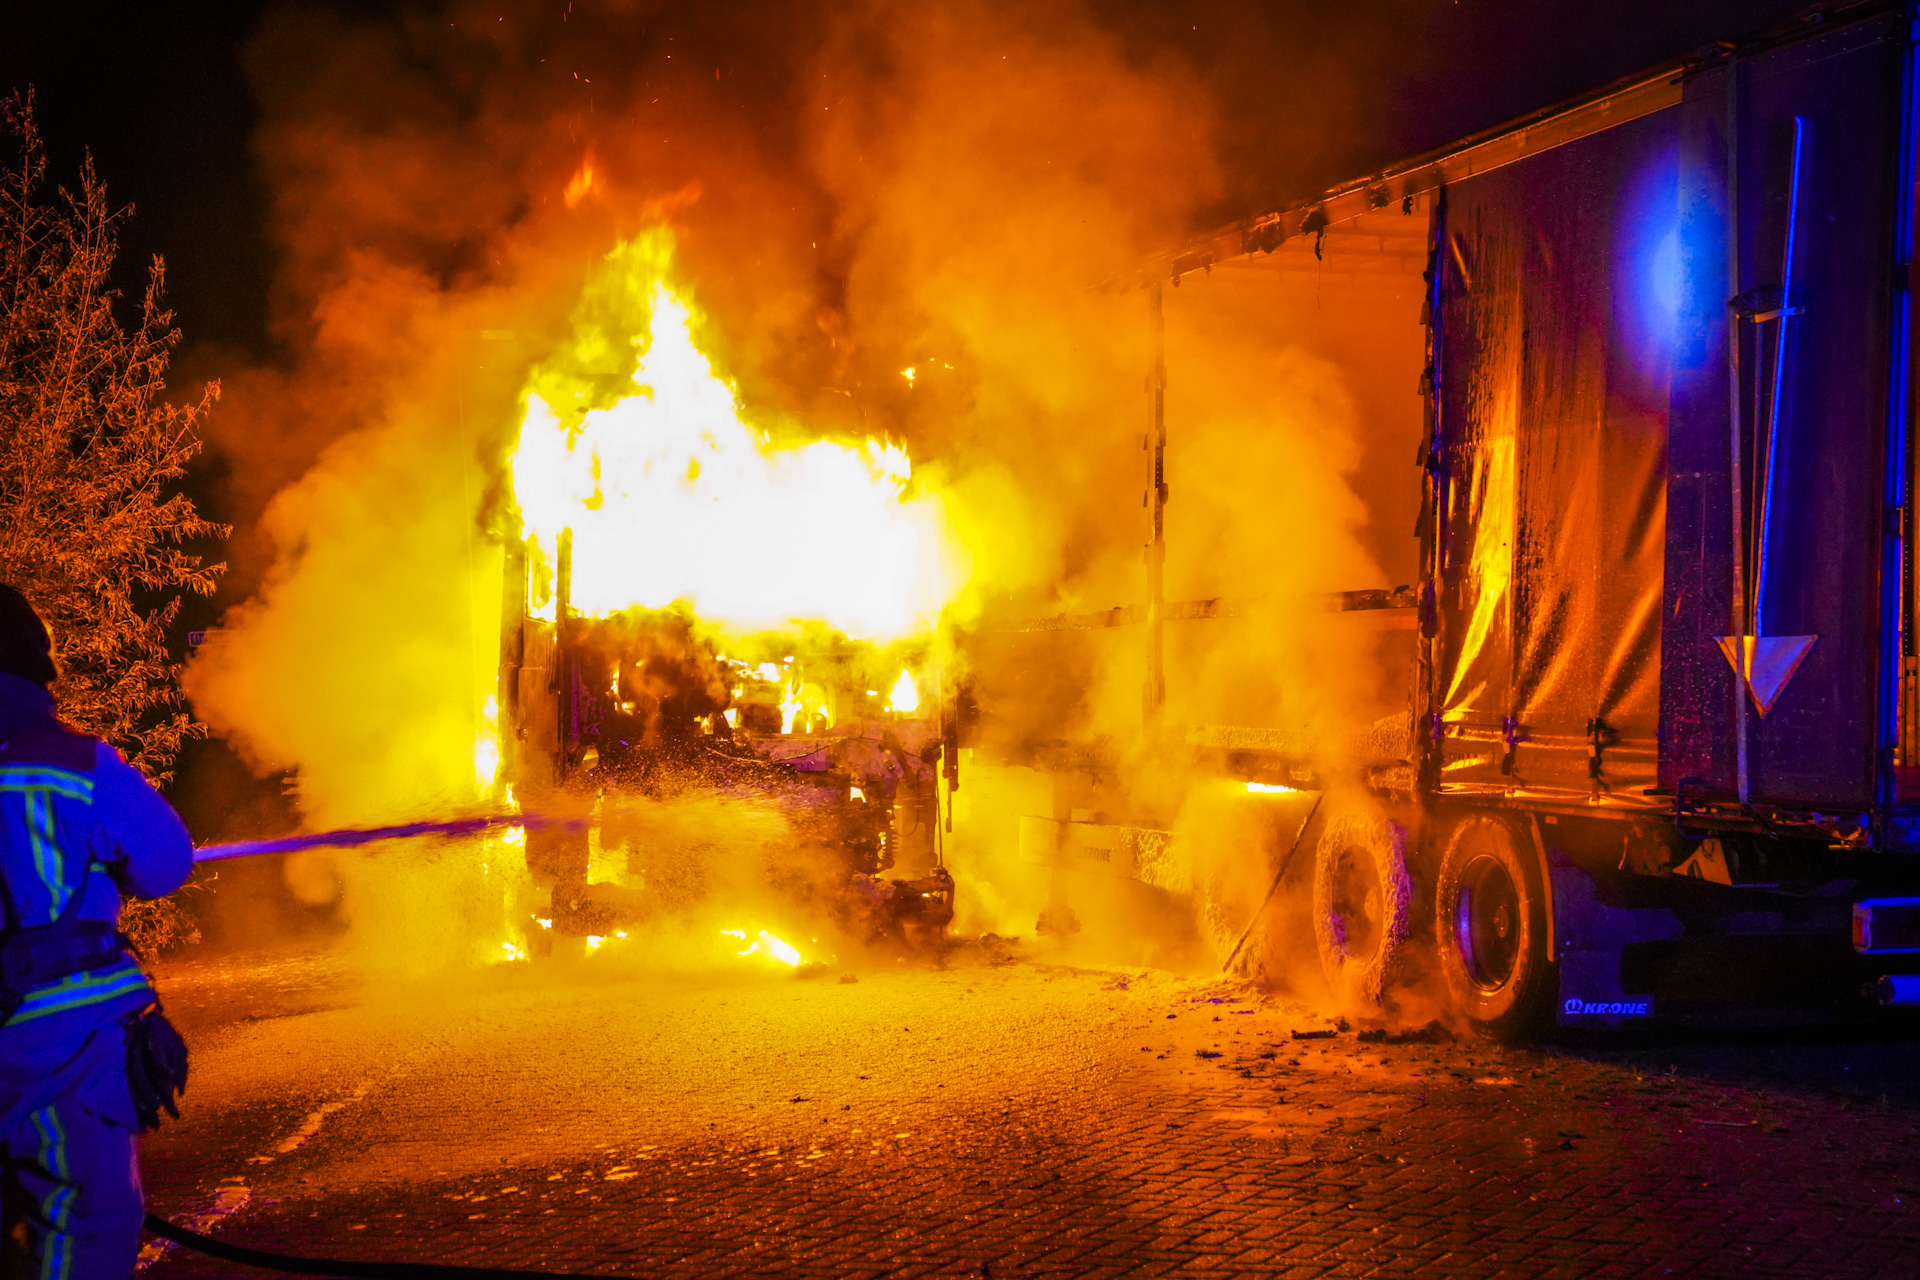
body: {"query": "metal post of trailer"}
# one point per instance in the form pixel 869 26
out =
pixel 1434 526
pixel 1899 716
pixel 1737 467
pixel 1764 659
pixel 562 686
pixel 513 645
pixel 1155 695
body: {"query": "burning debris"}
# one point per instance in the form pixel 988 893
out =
pixel 855 800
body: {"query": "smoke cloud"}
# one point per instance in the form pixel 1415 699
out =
pixel 962 189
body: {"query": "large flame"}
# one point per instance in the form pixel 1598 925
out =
pixel 673 497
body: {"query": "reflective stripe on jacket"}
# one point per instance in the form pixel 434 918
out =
pixel 76 818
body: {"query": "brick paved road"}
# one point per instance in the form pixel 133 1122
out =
pixel 1001 1122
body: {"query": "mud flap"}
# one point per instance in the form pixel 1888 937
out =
pixel 1590 933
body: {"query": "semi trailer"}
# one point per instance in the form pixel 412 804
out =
pixel 1654 745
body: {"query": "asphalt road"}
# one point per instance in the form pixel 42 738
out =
pixel 1000 1117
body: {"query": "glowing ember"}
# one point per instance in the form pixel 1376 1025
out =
pixel 672 497
pixel 513 952
pixel 1271 789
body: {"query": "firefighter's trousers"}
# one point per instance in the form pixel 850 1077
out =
pixel 67 1141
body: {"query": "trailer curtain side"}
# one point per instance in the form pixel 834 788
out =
pixel 1587 568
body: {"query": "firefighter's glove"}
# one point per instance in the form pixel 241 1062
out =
pixel 156 1067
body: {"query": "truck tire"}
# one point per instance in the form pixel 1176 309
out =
pixel 1362 905
pixel 1490 927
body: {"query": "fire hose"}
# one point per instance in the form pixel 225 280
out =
pixel 290 1265
pixel 349 837
pixel 287 1263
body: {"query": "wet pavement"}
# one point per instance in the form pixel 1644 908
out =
pixel 1001 1119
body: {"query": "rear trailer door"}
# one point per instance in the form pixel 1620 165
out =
pixel 1598 524
pixel 1816 126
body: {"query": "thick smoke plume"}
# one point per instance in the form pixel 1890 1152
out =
pixel 963 189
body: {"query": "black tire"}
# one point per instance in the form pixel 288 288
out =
pixel 1362 905
pixel 1490 928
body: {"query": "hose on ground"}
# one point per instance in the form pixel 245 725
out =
pixel 290 1265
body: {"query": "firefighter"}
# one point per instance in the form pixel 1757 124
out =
pixel 81 1047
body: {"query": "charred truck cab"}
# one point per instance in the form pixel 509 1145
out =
pixel 1661 749
pixel 600 717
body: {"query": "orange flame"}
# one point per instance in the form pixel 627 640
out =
pixel 581 185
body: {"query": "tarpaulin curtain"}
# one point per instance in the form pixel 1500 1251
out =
pixel 1554 418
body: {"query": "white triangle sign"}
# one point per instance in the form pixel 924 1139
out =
pixel 1766 663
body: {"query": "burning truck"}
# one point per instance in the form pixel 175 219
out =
pixel 1650 354
pixel 656 647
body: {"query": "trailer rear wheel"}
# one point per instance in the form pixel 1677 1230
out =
pixel 1491 928
pixel 1362 904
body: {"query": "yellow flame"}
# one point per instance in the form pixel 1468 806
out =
pixel 672 497
pixel 790 706
pixel 1271 789
pixel 513 952
pixel 804 707
pixel 769 946
pixel 486 746
pixel 904 697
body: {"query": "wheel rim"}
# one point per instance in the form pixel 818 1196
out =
pixel 1487 923
pixel 1355 906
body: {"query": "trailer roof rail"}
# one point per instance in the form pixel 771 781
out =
pixel 1408 181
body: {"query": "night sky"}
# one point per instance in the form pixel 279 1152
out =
pixel 1312 94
